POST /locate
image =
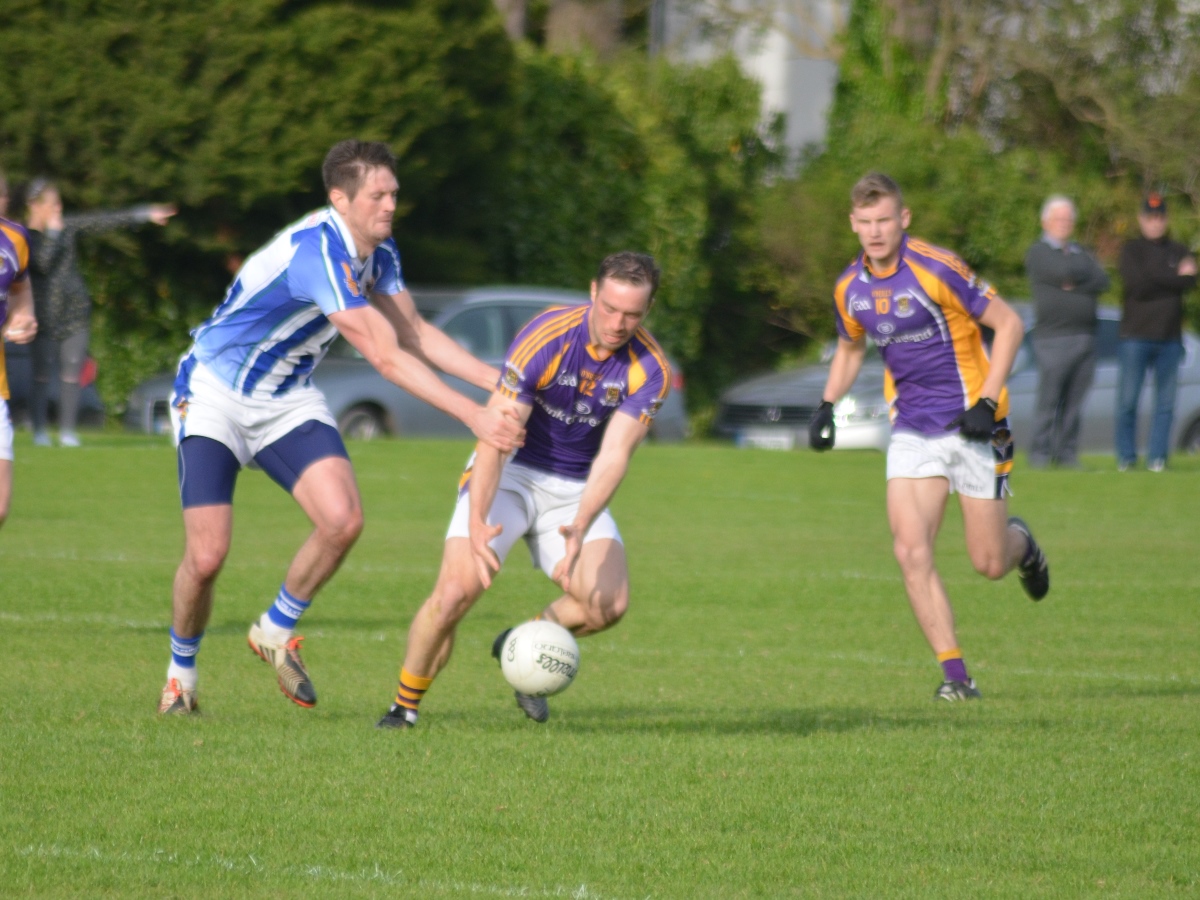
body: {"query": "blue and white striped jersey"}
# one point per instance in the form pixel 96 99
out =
pixel 271 329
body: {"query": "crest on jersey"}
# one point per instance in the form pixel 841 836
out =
pixel 511 377
pixel 182 406
pixel 612 394
pixel 904 308
pixel 655 406
pixel 351 281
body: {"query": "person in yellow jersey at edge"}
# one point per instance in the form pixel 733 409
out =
pixel 923 308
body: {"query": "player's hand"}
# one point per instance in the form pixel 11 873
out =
pixel 160 213
pixel 1187 266
pixel 562 573
pixel 499 428
pixel 21 328
pixel 487 563
pixel 978 422
pixel 821 430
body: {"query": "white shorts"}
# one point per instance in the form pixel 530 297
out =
pixel 243 424
pixel 533 504
pixel 6 431
pixel 974 468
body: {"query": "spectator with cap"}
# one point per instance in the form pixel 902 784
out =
pixel 64 304
pixel 1156 272
pixel 1065 281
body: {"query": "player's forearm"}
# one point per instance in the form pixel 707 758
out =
pixel 485 479
pixel 411 374
pixel 844 369
pixel 452 359
pixel 1007 341
pixel 608 470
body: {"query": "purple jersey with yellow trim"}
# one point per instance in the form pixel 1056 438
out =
pixel 923 318
pixel 14 268
pixel 575 387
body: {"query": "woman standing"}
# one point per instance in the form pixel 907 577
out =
pixel 64 305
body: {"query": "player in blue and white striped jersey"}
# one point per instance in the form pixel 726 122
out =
pixel 243 393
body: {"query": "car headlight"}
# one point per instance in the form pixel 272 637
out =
pixel 851 410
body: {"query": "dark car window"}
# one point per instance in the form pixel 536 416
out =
pixel 1106 338
pixel 480 331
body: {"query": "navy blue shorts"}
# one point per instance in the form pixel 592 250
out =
pixel 208 469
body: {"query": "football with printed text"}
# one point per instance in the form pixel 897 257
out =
pixel 540 658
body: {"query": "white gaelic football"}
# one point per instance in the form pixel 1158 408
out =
pixel 540 658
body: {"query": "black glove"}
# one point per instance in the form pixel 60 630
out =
pixel 978 422
pixel 821 429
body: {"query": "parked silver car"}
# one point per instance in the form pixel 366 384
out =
pixel 773 410
pixel 483 320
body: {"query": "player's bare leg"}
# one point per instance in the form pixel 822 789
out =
pixel 915 510
pixel 207 532
pixel 328 494
pixel 994 546
pixel 916 507
pixel 599 594
pixel 5 489
pixel 431 635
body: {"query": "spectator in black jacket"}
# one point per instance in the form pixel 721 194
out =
pixel 64 305
pixel 1157 272
pixel 1065 281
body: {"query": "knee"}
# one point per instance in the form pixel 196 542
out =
pixel 343 527
pixel 912 557
pixel 607 609
pixel 205 560
pixel 449 603
pixel 991 567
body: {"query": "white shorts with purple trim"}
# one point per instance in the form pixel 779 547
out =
pixel 532 504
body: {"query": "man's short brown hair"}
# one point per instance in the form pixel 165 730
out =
pixel 873 187
pixel 348 162
pixel 631 268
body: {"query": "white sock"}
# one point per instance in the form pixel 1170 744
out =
pixel 187 676
pixel 274 633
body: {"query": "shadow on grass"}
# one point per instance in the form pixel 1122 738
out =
pixel 670 721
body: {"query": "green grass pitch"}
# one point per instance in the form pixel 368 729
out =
pixel 760 725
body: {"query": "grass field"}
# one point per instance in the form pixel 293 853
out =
pixel 760 725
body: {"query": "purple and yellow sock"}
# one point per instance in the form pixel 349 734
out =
pixel 953 666
pixel 410 691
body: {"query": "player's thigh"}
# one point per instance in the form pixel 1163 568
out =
pixel 511 510
pixel 985 527
pixel 5 487
pixel 601 575
pixel 6 456
pixel 328 493
pixel 208 531
pixel 916 507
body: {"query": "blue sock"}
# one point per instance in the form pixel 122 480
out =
pixel 287 610
pixel 184 650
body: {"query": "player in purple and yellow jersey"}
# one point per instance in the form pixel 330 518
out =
pixel 922 307
pixel 586 381
pixel 18 325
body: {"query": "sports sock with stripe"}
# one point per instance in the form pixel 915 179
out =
pixel 278 622
pixel 183 660
pixel 410 691
pixel 954 668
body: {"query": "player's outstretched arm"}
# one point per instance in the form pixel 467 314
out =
pixel 371 335
pixel 1010 331
pixel 20 326
pixel 431 343
pixel 621 438
pixel 485 478
pixel 847 361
